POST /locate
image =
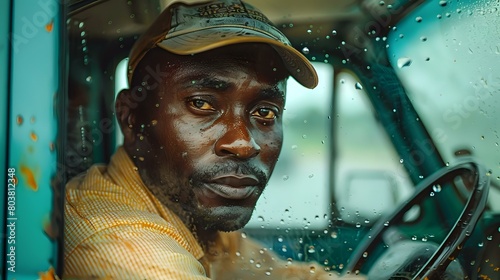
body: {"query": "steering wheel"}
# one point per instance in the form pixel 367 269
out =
pixel 447 250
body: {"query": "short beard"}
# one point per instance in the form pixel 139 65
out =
pixel 222 218
pixel 177 194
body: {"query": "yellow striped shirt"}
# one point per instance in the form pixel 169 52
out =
pixel 116 229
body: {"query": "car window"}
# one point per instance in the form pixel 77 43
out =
pixel 450 71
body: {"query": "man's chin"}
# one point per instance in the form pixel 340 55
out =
pixel 226 218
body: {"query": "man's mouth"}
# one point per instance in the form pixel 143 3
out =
pixel 233 186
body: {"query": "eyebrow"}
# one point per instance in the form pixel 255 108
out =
pixel 272 93
pixel 214 83
pixel 208 83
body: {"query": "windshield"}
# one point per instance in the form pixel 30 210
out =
pixel 446 55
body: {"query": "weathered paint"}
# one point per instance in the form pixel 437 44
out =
pixel 34 78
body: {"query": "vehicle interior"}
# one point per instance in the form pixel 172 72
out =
pixel 390 168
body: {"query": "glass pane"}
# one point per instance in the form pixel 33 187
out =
pixel 369 177
pixel 451 73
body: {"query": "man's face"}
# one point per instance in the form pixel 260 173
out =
pixel 211 141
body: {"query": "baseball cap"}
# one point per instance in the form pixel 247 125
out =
pixel 191 27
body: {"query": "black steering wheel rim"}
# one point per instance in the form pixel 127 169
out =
pixel 464 225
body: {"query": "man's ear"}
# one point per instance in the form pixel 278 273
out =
pixel 125 115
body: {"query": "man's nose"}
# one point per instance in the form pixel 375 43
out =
pixel 237 141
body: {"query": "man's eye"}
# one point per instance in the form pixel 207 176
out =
pixel 201 104
pixel 265 113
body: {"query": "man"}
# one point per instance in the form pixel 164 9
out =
pixel 198 151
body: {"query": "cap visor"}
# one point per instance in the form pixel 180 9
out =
pixel 211 38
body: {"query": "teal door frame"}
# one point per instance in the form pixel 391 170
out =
pixel 30 85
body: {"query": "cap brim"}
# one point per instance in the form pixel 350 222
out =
pixel 210 38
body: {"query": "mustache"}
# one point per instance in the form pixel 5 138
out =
pixel 243 168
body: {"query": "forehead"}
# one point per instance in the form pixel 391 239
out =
pixel 258 59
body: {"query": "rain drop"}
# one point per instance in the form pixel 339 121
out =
pixel 418 19
pixel 404 62
pixel 443 3
pixel 305 50
pixel 311 250
pixel 436 188
pixel 260 218
pixel 358 86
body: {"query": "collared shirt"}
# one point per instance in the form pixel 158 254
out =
pixel 116 229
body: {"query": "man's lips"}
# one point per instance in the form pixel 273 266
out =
pixel 233 186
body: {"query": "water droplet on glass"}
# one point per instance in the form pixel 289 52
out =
pixel 404 62
pixel 334 32
pixel 436 188
pixel 414 238
pixel 88 79
pixel 418 19
pixel 431 194
pixel 285 177
pixel 260 218
pixel 401 160
pixel 19 120
pixel 358 86
pixel 423 38
pixel 305 50
pixel 243 235
pixel 294 147
pixel 311 250
pixel 489 237
pixel 365 254
pixel 481 244
pixel 443 3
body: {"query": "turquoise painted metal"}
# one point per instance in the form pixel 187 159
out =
pixel 4 88
pixel 31 137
